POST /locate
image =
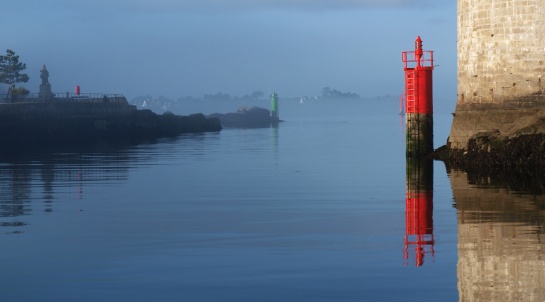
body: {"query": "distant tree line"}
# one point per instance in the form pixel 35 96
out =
pixel 333 93
pixel 161 103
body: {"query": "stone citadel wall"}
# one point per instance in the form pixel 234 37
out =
pixel 501 67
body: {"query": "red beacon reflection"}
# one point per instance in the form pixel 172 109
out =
pixel 419 238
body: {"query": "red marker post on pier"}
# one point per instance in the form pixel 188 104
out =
pixel 418 67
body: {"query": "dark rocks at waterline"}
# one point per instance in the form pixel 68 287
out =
pixel 516 164
pixel 170 125
pixel 245 117
pixel 495 154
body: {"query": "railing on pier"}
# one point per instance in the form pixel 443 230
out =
pixel 62 97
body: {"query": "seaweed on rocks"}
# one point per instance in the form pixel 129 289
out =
pixel 517 163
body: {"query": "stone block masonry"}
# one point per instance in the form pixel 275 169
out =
pixel 501 67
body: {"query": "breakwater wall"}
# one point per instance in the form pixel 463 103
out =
pixel 501 68
pixel 67 108
pixel 62 121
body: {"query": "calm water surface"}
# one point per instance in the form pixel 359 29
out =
pixel 314 210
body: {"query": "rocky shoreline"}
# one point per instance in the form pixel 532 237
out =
pixel 517 162
pixel 246 117
pixel 490 152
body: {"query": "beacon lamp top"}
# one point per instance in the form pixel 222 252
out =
pixel 418 52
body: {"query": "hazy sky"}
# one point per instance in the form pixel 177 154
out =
pixel 190 47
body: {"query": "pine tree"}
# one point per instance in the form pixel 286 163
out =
pixel 11 68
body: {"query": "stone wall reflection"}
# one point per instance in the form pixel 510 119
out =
pixel 419 240
pixel 501 242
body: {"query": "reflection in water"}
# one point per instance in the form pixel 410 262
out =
pixel 419 210
pixel 500 242
pixel 275 138
pixel 43 175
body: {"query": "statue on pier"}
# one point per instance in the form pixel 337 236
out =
pixel 44 74
pixel 45 87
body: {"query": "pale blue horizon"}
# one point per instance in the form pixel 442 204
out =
pixel 190 48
